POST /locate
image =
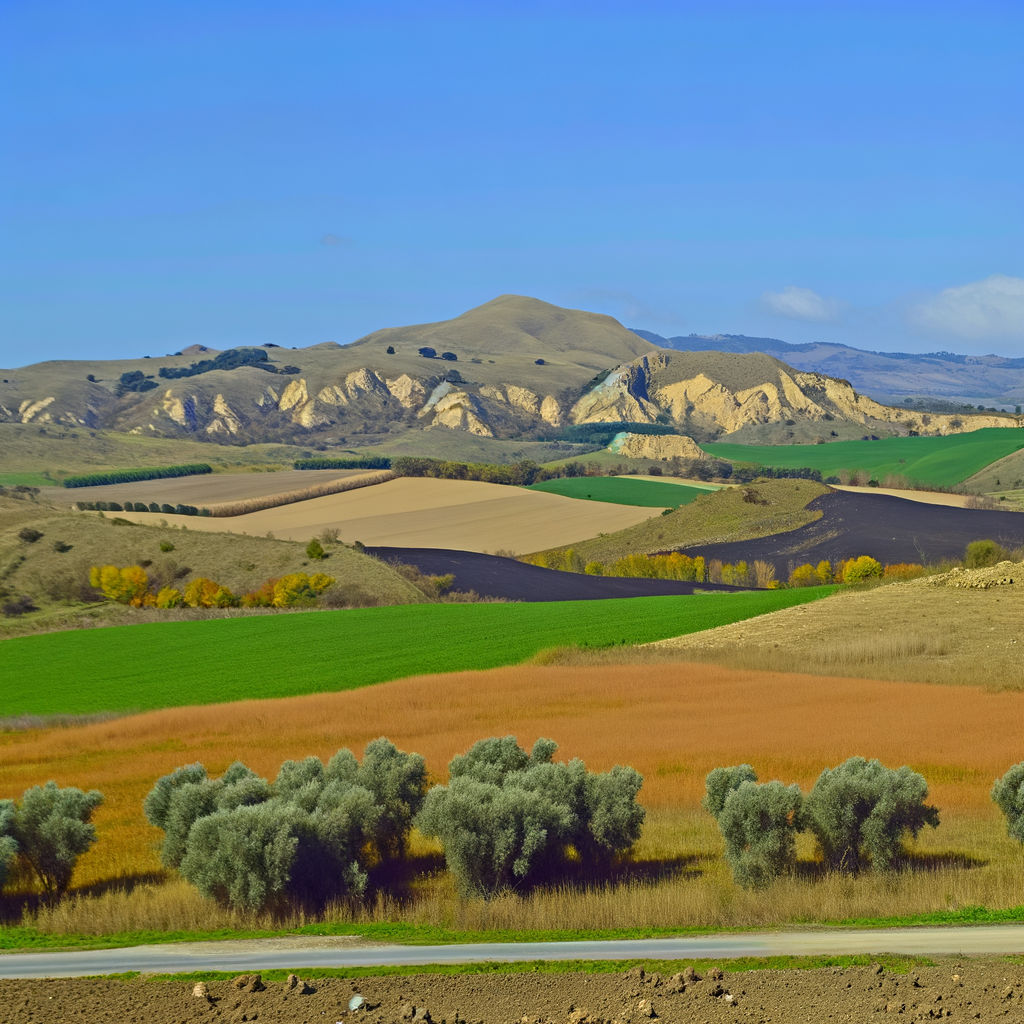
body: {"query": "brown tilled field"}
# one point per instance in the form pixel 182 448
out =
pixel 424 513
pixel 673 722
pixel 206 489
pixel 972 990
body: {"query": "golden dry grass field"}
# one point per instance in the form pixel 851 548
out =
pixel 421 512
pixel 931 630
pixel 673 722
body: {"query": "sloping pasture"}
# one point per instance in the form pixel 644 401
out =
pixel 934 461
pixel 135 668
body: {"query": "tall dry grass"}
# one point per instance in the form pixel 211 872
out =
pixel 673 721
pixel 965 863
pixel 350 483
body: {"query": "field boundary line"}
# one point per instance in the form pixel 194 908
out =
pixel 350 483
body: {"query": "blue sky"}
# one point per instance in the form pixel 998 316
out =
pixel 230 173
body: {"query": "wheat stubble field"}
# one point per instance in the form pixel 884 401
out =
pixel 673 722
pixel 426 513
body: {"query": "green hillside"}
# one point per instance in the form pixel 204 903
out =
pixel 208 661
pixel 935 461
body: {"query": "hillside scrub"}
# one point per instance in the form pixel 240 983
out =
pixel 860 813
pixel 509 819
pixel 729 514
pixel 308 837
pixel 54 573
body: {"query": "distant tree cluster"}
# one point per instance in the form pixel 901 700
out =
pixel 232 359
pixel 132 476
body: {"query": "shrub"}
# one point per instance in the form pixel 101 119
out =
pixel 204 593
pixel 28 535
pixel 129 585
pixel 1008 796
pixel 169 597
pixel 508 818
pixel 366 462
pixel 315 550
pixel 981 554
pixel 62 547
pixel 857 570
pixel 594 569
pixel 307 837
pixel 721 782
pixel 297 588
pixel 759 823
pixel 8 844
pixel 862 811
pixel 52 829
pixel 19 606
pixel 903 571
pixel 166 546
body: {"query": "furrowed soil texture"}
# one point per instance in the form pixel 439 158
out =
pixel 622 491
pixel 672 722
pixel 177 663
pixel 988 989
pixel 936 461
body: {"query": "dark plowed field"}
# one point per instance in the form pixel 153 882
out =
pixel 491 576
pixel 887 528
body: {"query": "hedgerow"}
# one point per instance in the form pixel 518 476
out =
pixel 131 476
pixel 367 462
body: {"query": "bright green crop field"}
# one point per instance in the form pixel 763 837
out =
pixel 171 664
pixel 935 461
pixel 623 491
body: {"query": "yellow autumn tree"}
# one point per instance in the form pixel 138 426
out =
pixel 298 588
pixel 129 585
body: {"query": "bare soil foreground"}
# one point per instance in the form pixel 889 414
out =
pixel 887 528
pixel 961 990
pixel 492 576
pixel 421 512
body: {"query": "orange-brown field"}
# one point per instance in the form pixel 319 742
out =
pixel 673 722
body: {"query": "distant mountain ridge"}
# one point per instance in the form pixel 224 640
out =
pixel 514 368
pixel 941 374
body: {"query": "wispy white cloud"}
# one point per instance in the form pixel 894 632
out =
pixel 803 304
pixel 993 308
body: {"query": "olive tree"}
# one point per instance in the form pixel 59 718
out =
pixel 508 818
pixel 721 782
pixel 759 823
pixel 862 811
pixel 8 844
pixel 52 829
pixel 1008 795
pixel 309 836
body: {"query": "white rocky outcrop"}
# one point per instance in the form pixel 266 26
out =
pixel 29 409
pixel 458 410
pixel 226 422
pixel 409 391
pixel 656 446
pixel 620 397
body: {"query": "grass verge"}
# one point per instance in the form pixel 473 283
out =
pixel 893 964
pixel 26 938
pixel 202 662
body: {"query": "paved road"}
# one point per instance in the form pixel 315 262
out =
pixel 299 953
